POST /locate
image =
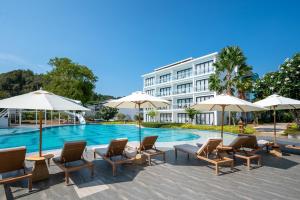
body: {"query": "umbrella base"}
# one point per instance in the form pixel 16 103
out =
pixel 140 159
pixel 276 151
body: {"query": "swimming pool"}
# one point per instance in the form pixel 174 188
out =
pixel 54 137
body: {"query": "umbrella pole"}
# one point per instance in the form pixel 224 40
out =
pixel 222 122
pixel 140 131
pixel 274 116
pixel 41 130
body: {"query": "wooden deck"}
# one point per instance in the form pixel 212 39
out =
pixel 279 178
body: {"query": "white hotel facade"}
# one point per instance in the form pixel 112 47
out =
pixel 183 83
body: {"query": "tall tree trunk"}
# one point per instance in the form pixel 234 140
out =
pixel 228 89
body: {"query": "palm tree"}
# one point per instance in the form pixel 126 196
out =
pixel 215 84
pixel 230 68
pixel 244 80
pixel 191 112
pixel 229 61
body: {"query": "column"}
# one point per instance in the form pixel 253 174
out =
pixel 20 117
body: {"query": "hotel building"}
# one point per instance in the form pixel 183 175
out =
pixel 183 83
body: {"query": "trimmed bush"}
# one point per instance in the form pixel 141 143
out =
pixel 231 129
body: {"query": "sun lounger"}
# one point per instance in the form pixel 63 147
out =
pixel 148 148
pixel 114 153
pixel 245 147
pixel 13 159
pixel 71 159
pixel 207 152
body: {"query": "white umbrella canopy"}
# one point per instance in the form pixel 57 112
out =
pixel 276 102
pixel 41 100
pixel 138 100
pixel 279 102
pixel 229 103
pixel 224 103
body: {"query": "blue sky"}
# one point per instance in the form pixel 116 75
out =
pixel 121 40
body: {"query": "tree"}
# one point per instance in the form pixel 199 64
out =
pixel 284 82
pixel 229 61
pixel 70 79
pixel 18 82
pixel 107 113
pixel 152 114
pixel 191 112
pixel 138 116
pixel 121 117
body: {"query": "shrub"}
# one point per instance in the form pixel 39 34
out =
pixel 227 128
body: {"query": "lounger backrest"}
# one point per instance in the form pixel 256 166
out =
pixel 12 159
pixel 252 141
pixel 116 147
pixel 148 142
pixel 72 151
pixel 239 142
pixel 209 147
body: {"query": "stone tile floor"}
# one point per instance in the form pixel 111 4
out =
pixel 278 178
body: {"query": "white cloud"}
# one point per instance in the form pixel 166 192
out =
pixel 11 62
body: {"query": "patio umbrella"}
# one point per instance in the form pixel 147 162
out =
pixel 138 100
pixel 41 100
pixel 276 102
pixel 224 103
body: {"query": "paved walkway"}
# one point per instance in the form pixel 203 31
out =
pixel 175 179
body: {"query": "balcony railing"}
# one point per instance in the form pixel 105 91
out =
pixel 163 81
pixel 163 94
pixel 183 91
pixel 201 89
pixel 182 106
pixel 182 76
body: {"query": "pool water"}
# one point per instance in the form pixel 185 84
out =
pixel 54 137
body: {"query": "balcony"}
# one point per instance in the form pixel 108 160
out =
pixel 183 91
pixel 201 90
pixel 163 81
pixel 163 94
pixel 182 76
pixel 182 106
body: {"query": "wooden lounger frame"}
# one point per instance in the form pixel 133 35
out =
pixel 116 148
pixel 249 142
pixel 206 150
pixel 13 159
pixel 148 148
pixel 73 151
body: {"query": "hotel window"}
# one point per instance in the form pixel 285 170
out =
pixel 165 117
pixel 184 103
pixel 205 118
pixel 182 118
pixel 203 98
pixel 184 73
pixel 165 78
pixel 149 81
pixel 165 91
pixel 150 92
pixel 184 88
pixel 148 118
pixel 205 67
pixel 202 85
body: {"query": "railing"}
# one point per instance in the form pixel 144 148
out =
pixel 201 89
pixel 163 81
pixel 3 113
pixel 183 91
pixel 163 94
pixel 182 106
pixel 182 76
